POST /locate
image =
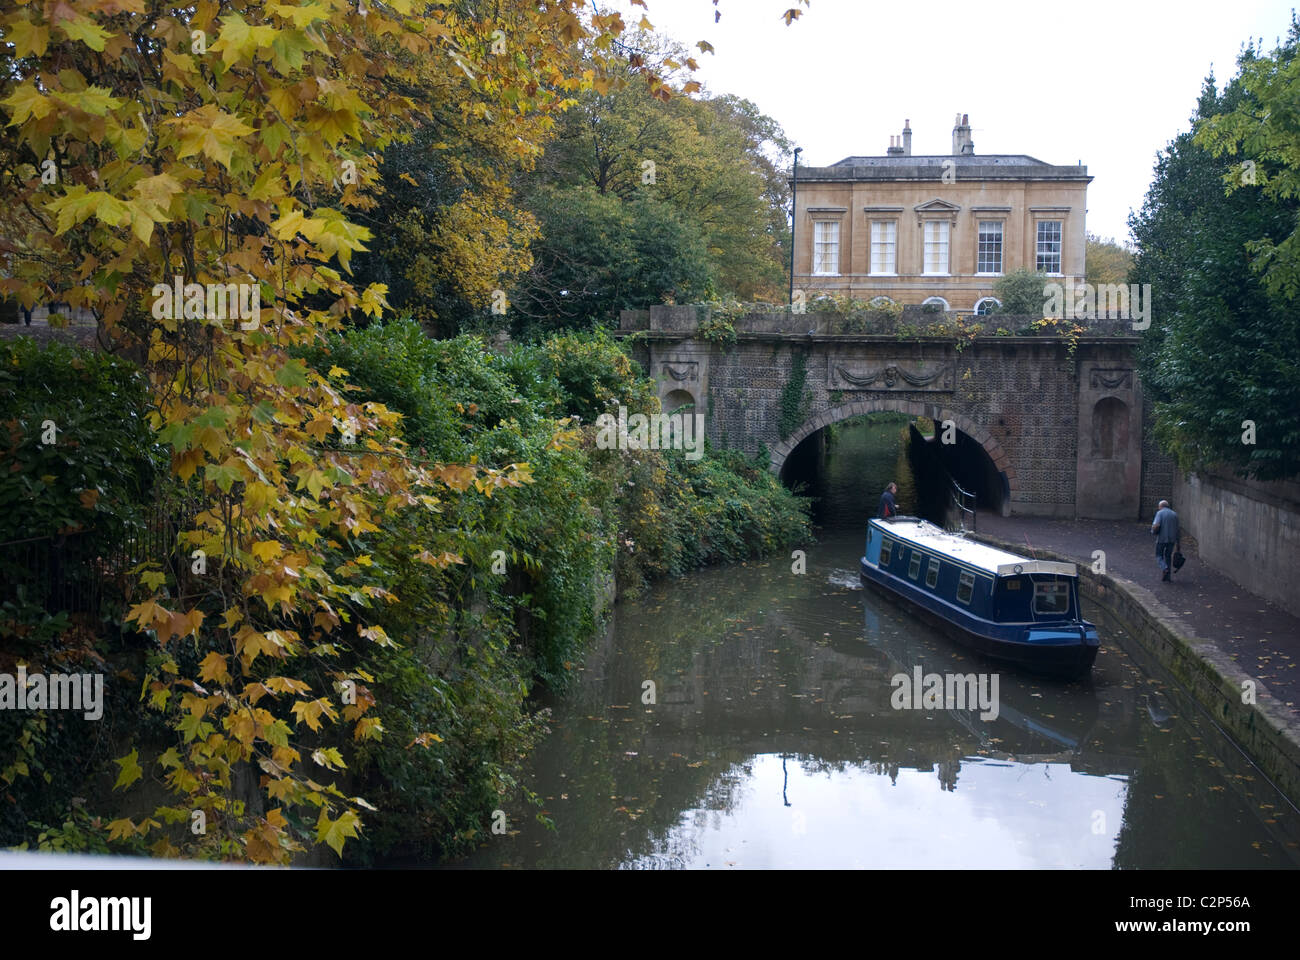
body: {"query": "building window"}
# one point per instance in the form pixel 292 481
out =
pixel 936 246
pixel 884 246
pixel 1049 246
pixel 880 302
pixel 986 305
pixel 932 575
pixel 965 587
pixel 989 259
pixel 914 568
pixel 826 247
pixel 936 304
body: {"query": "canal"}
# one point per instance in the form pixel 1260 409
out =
pixel 771 741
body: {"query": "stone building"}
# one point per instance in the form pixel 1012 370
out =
pixel 936 229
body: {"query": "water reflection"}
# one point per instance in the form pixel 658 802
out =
pixel 773 743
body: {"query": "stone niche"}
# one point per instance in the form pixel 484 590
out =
pixel 681 373
pixel 1108 481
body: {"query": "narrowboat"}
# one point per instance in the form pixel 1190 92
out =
pixel 1004 606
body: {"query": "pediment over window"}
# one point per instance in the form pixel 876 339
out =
pixel 936 209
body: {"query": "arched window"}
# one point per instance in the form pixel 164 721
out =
pixel 986 305
pixel 881 301
pixel 935 302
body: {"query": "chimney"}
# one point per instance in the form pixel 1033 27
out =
pixel 907 137
pixel 962 145
pixel 894 149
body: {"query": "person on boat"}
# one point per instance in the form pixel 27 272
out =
pixel 1165 528
pixel 887 506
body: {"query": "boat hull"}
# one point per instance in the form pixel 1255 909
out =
pixel 1065 650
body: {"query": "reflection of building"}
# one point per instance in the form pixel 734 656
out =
pixel 937 229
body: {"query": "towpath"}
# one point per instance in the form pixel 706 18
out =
pixel 1260 637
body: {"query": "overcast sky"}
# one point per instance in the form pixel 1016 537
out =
pixel 1108 82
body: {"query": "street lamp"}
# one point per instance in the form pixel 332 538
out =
pixel 794 203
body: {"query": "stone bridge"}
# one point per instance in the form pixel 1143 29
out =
pixel 1058 428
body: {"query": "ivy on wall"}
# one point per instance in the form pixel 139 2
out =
pixel 795 399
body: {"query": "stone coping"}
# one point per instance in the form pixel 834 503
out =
pixel 1267 730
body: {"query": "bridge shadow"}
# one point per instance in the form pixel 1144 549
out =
pixel 845 466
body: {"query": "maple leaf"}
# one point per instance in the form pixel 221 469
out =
pixel 210 131
pixel 336 832
pixel 81 28
pixel 120 829
pixel 28 38
pixel 214 667
pixel 128 770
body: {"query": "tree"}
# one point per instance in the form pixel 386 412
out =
pixel 192 146
pixel 169 164
pixel 715 161
pixel 1107 261
pixel 598 255
pixel 1221 360
pixel 1020 292
pixel 448 233
pixel 1264 127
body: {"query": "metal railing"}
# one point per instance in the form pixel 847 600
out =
pixel 964 501
pixel 75 572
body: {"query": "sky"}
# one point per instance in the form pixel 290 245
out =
pixel 1107 83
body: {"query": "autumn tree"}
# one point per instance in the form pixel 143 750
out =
pixel 1106 261
pixel 157 152
pixel 711 164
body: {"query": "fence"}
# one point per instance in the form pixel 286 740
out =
pixel 75 572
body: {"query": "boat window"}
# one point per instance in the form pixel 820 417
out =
pixel 886 550
pixel 1051 597
pixel 1013 584
pixel 932 575
pixel 965 587
pixel 914 568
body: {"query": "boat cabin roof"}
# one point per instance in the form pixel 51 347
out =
pixel 1000 563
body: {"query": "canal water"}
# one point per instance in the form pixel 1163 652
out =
pixel 771 740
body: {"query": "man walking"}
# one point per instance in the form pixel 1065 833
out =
pixel 887 506
pixel 1165 527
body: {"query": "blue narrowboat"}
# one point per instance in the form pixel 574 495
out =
pixel 1004 606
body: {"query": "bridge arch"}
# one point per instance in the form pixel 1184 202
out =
pixel 857 408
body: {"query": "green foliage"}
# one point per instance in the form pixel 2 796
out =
pixel 599 254
pixel 475 642
pixel 1264 127
pixel 695 189
pixel 720 325
pixel 795 399
pixel 1223 347
pixel 472 643
pixel 1020 292
pixel 104 458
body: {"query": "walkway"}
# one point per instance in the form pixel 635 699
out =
pixel 1261 638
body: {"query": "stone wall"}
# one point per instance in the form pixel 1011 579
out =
pixel 1266 729
pixel 1052 421
pixel 1247 530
